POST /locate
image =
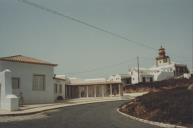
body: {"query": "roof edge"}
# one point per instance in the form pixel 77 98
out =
pixel 54 65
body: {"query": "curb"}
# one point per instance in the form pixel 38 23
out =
pixel 163 125
pixel 17 113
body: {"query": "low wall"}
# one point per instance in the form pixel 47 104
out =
pixel 158 85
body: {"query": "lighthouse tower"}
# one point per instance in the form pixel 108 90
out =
pixel 162 59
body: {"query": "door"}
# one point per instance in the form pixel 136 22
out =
pixel 144 80
pixel 151 79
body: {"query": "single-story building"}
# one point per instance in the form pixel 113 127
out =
pixel 59 88
pixel 27 80
pixel 124 78
pixel 93 88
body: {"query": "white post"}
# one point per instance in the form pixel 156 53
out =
pixel 79 91
pixel 102 87
pixel 87 91
pixel 111 90
pixel 94 90
pixel 119 89
pixel 8 100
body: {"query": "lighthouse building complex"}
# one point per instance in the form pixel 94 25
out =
pixel 163 69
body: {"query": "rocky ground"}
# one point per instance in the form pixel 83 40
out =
pixel 158 85
pixel 173 106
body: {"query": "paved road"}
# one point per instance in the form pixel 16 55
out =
pixel 96 115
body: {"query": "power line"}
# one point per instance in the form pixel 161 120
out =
pixel 91 26
pixel 55 12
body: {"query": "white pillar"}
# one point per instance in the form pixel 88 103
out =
pixel 111 90
pixel 87 91
pixel 8 100
pixel 102 87
pixel 94 90
pixel 119 89
pixel 63 90
pixel 79 91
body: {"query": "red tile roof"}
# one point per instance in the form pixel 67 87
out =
pixel 25 59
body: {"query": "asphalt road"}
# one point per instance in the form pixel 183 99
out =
pixel 96 115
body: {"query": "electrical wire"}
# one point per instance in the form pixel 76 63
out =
pixel 55 12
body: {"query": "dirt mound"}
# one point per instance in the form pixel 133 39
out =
pixel 158 85
pixel 173 106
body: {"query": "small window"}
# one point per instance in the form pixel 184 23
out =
pixel 15 83
pixel 38 82
pixel 165 60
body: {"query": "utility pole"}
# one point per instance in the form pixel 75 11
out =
pixel 192 54
pixel 138 67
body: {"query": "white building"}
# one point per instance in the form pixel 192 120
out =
pixel 25 80
pixel 98 87
pixel 124 78
pixel 145 75
pixel 164 69
pixel 59 87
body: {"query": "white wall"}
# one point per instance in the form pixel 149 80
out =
pixel 163 75
pixel 148 79
pixel 8 101
pixel 134 77
pixel 162 63
pixel 59 82
pixel 25 72
pixel 115 78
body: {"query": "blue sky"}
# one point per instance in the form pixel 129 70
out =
pixel 75 47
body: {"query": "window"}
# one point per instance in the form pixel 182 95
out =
pixel 128 81
pixel 55 88
pixel 144 79
pixel 38 82
pixel 151 79
pixel 83 92
pixel 60 88
pixel 15 83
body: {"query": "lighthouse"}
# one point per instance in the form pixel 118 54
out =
pixel 162 58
